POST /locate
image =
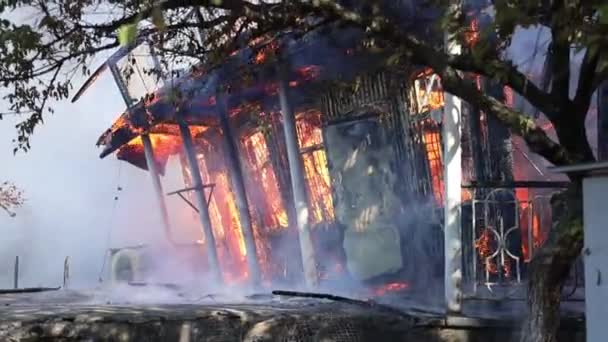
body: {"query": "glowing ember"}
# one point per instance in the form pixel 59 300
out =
pixel 391 287
pixel 266 52
pixel 309 73
pixel 484 248
pixel 472 35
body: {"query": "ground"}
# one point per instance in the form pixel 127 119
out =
pixel 132 315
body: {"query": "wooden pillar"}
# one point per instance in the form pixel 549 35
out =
pixel 201 201
pixel 298 181
pixel 452 153
pixel 238 186
pixel 149 155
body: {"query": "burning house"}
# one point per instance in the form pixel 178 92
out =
pixel 320 163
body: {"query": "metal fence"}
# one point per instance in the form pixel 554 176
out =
pixel 504 225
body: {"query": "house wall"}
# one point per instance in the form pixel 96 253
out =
pixel 596 257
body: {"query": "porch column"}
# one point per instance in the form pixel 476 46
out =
pixel 201 201
pixel 150 160
pixel 235 172
pixel 298 181
pixel 158 187
pixel 452 152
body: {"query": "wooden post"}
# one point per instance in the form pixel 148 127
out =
pixel 298 181
pixel 452 152
pixel 16 273
pixel 149 155
pixel 238 186
pixel 201 202
pixel 66 272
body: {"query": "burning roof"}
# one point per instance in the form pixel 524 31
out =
pixel 248 78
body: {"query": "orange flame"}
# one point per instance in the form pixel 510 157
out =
pixel 484 248
pixel 431 139
pixel 265 53
pixel 259 161
pixel 315 166
pixel 484 245
pixel 435 98
pixel 225 220
pixel 391 287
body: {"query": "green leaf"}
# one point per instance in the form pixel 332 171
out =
pixel 127 34
pixel 158 19
pixel 603 14
pixel 393 59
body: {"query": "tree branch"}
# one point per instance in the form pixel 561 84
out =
pixel 560 57
pixel 585 88
pixel 510 76
pixel 424 54
pixel 519 123
pixel 237 7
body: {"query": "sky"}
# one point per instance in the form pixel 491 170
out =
pixel 70 192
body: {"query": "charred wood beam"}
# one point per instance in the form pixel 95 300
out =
pixel 310 149
pixel 29 290
pixel 349 118
pixel 514 185
pixel 363 303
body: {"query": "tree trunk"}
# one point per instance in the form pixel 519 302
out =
pixel 551 266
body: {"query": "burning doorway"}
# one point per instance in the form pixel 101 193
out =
pixel 365 203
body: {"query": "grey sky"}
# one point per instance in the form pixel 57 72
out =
pixel 70 194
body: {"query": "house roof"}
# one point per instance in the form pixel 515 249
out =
pixel 587 169
pixel 329 51
pixel 315 59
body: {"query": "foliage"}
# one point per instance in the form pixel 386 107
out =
pixel 10 198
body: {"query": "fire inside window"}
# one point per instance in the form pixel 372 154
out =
pixel 224 217
pixel 315 165
pixel 432 145
pixel 427 95
pixel 258 158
